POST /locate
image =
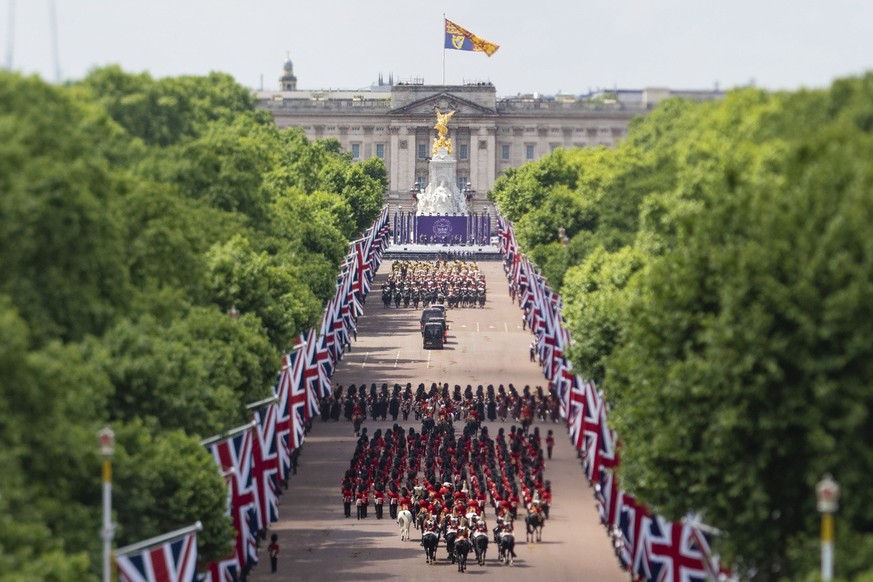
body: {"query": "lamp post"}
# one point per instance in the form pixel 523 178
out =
pixel 107 448
pixel 827 493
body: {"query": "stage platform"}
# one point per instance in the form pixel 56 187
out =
pixel 420 252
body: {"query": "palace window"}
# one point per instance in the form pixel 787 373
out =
pixel 356 151
pixel 463 153
pixel 380 151
pixel 422 151
pixel 504 152
pixel 529 152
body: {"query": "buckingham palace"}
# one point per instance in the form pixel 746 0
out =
pixel 394 121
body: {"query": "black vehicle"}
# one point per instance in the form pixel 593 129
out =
pixel 430 313
pixel 433 335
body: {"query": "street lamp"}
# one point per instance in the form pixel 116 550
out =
pixel 827 493
pixel 107 448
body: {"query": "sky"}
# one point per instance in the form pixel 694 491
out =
pixel 546 46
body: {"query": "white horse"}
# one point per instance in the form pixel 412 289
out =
pixel 404 519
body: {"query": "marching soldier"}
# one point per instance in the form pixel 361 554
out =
pixel 378 500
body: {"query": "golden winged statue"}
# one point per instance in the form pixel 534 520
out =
pixel 442 128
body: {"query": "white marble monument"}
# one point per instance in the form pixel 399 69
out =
pixel 442 196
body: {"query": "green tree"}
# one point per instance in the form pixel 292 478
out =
pixel 61 248
pixel 357 185
pixel 226 168
pixel 29 550
pixel 261 285
pixel 196 373
pixel 597 295
pixel 167 481
pixel 742 373
pixel 165 112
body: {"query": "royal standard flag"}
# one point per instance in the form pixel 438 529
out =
pixel 462 39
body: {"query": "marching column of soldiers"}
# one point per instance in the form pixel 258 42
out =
pixel 443 480
pixel 502 403
pixel 452 283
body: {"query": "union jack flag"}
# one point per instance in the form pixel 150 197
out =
pixel 380 236
pixel 296 409
pixel 265 466
pixel 599 446
pixel 562 388
pixel 675 554
pixel 337 322
pixel 609 498
pixel 348 316
pixel 361 267
pixel 221 571
pixel 576 414
pixel 327 332
pixel 324 359
pixel 633 522
pixel 234 455
pixel 505 237
pixel 310 378
pixel 290 375
pixel 356 308
pixel 317 378
pixel 173 560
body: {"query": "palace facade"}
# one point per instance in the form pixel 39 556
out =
pixel 394 122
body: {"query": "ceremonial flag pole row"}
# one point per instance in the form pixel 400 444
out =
pixel 646 544
pixel 258 458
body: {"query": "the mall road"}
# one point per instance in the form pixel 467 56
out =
pixel 486 346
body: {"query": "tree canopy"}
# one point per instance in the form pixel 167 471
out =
pixel 134 213
pixel 716 283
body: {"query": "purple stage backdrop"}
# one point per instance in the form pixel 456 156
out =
pixel 440 229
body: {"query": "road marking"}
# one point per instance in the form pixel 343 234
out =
pixel 505 327
pixel 477 327
pixel 397 359
pixel 364 361
pixel 428 358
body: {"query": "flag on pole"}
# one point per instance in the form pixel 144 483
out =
pixel 461 39
pixel 171 557
pixel 233 453
pixel 676 555
pixel 265 465
pixel 290 376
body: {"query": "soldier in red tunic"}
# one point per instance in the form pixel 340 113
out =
pixel 393 498
pixel 550 443
pixel 379 500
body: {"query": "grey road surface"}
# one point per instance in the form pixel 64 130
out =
pixel 486 346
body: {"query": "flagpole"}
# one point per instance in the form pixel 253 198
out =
pixel 226 435
pixel 107 449
pixel 156 541
pixel 444 49
pixel 263 402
